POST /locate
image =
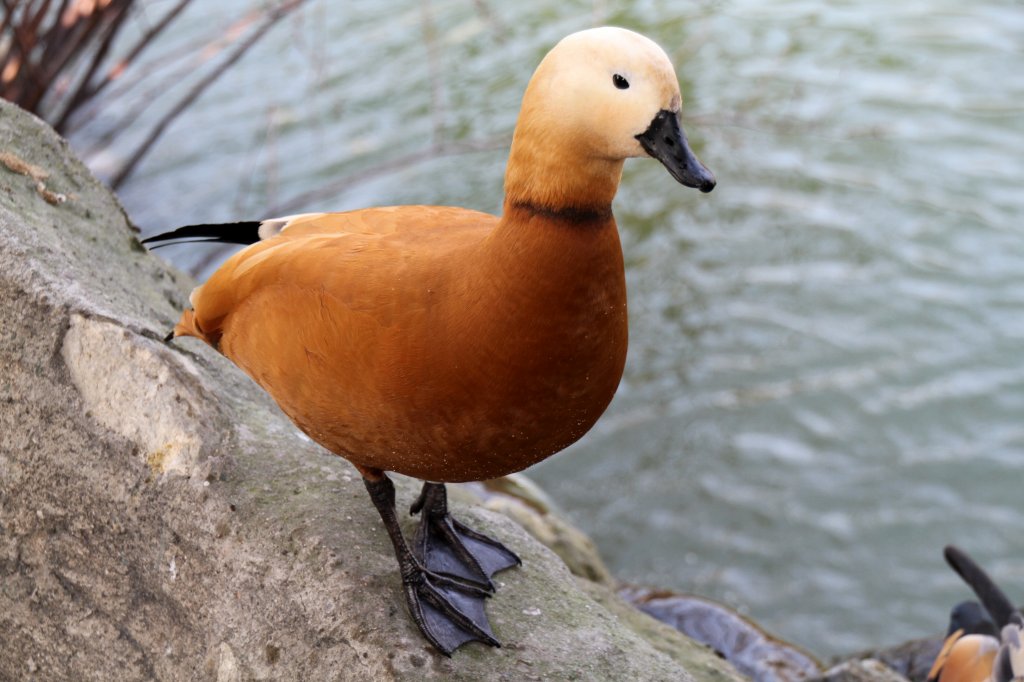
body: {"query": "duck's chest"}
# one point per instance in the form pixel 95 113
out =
pixel 554 345
pixel 561 366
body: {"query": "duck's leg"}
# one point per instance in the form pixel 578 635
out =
pixel 449 611
pixel 447 546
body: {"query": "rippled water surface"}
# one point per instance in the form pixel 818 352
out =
pixel 826 372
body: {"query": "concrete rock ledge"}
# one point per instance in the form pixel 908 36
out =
pixel 160 519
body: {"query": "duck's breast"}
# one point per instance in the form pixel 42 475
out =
pixel 442 349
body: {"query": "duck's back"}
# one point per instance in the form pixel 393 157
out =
pixel 354 252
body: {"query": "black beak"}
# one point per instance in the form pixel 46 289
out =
pixel 666 141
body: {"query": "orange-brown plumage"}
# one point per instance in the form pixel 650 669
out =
pixel 965 658
pixel 441 343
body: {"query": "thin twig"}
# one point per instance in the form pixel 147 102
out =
pixel 200 51
pixel 39 15
pixel 155 86
pixel 58 54
pixel 275 15
pixel 54 34
pixel 27 71
pixel 145 41
pixel 56 27
pixel 84 90
pixel 5 19
pixel 434 69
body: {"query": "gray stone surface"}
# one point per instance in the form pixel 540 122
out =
pixel 911 659
pixel 860 670
pixel 160 519
pixel 518 498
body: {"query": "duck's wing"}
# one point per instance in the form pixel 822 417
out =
pixel 355 256
pixel 383 220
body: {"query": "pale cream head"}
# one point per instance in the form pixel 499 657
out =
pixel 580 83
pixel 599 97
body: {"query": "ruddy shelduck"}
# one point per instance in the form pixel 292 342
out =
pixel 452 345
pixel 971 651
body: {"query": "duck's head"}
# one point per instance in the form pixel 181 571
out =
pixel 610 94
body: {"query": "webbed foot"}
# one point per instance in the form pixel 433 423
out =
pixel 448 609
pixel 448 612
pixel 449 547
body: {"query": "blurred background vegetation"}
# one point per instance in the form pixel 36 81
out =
pixel 59 59
pixel 825 379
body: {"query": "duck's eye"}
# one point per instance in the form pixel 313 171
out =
pixel 620 82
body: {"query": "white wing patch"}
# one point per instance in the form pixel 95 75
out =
pixel 275 226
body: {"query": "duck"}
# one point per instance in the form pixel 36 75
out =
pixel 984 640
pixel 453 345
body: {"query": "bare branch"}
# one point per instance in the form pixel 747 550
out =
pixel 145 41
pixel 84 90
pixel 38 15
pixel 68 40
pixel 155 30
pixel 200 50
pixel 5 20
pixel 273 18
pixel 24 85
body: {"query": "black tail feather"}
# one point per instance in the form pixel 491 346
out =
pixel 246 232
pixel 994 599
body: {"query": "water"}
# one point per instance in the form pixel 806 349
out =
pixel 826 374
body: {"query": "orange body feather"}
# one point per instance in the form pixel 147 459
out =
pixel 965 658
pixel 441 343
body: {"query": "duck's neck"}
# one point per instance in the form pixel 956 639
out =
pixel 555 179
pixel 556 246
